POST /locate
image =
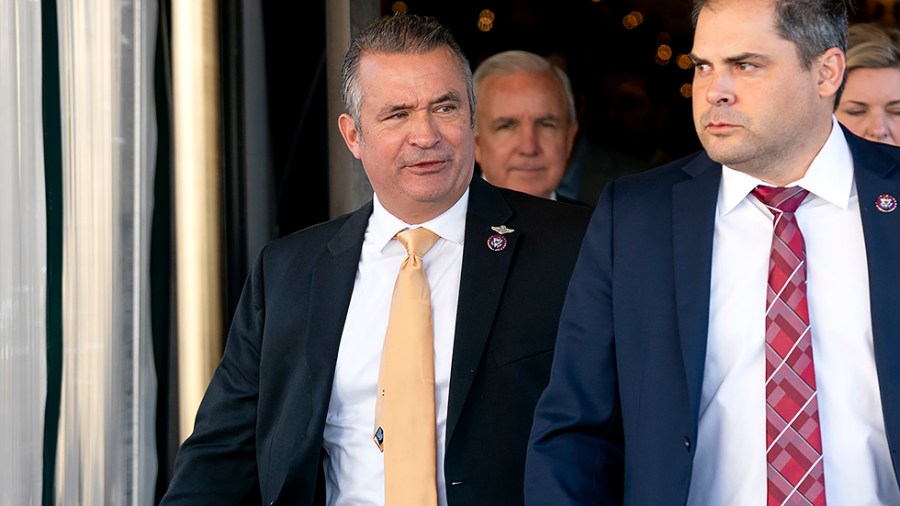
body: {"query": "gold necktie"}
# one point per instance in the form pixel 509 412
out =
pixel 404 410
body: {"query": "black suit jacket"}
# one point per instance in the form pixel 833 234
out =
pixel 259 430
pixel 632 339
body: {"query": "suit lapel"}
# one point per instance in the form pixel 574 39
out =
pixel 481 286
pixel 330 289
pixel 877 174
pixel 331 285
pixel 693 223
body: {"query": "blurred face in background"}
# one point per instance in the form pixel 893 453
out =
pixel 524 133
pixel 870 104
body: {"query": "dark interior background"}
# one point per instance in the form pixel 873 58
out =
pixel 628 99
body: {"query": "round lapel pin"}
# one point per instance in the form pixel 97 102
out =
pixel 496 242
pixel 886 203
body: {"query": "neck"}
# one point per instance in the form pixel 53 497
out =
pixel 782 169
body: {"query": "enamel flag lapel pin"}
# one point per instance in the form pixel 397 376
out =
pixel 884 203
pixel 497 242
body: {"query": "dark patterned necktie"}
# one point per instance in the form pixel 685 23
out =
pixel 794 443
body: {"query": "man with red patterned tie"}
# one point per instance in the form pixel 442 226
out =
pixel 731 333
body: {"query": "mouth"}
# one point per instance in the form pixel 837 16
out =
pixel 721 127
pixel 527 169
pixel 426 166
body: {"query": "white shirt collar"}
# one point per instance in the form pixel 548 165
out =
pixel 450 225
pixel 829 176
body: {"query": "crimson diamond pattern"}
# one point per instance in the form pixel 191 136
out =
pixel 794 443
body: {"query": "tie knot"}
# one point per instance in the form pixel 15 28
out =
pixel 784 200
pixel 417 241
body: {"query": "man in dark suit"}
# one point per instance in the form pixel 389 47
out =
pixel 669 383
pixel 288 417
pixel 526 123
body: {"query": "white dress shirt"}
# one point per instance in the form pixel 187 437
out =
pixel 730 463
pixel 354 467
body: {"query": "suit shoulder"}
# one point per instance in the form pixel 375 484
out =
pixel 656 183
pixel 313 239
pixel 889 150
pixel 531 208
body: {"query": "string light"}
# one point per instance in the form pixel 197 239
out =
pixel 486 20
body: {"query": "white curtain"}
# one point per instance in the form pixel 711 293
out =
pixel 23 255
pixel 106 450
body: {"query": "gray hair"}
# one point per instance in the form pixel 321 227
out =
pixel 399 34
pixel 515 61
pixel 813 26
pixel 872 45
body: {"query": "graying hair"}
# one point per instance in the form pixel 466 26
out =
pixel 401 33
pixel 515 61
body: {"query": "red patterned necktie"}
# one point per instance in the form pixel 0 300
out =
pixel 794 443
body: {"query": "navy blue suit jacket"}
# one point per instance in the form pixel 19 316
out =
pixel 632 340
pixel 259 430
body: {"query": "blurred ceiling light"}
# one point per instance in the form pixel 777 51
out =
pixel 684 61
pixel 664 52
pixel 398 7
pixel 486 20
pixel 686 90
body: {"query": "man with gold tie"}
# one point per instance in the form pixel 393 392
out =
pixel 393 355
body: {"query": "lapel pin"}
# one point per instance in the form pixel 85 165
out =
pixel 886 203
pixel 497 242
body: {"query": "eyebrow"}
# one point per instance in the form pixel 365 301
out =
pixel 450 96
pixel 731 59
pixel 543 117
pixel 860 102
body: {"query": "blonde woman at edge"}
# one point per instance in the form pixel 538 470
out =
pixel 870 103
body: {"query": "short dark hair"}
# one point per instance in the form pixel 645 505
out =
pixel 813 26
pixel 397 34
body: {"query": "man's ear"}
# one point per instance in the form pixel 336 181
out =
pixel 352 136
pixel 477 147
pixel 831 67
